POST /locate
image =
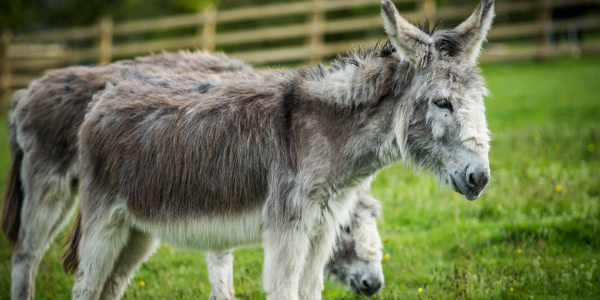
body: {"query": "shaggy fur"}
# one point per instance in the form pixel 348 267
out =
pixel 43 122
pixel 54 84
pixel 219 160
pixel 356 261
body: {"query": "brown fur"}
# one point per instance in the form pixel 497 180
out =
pixel 13 195
pixel 53 107
pixel 13 199
pixel 70 258
pixel 193 173
pixel 41 184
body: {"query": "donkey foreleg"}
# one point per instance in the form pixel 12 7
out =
pixel 285 255
pixel 321 248
pixel 220 275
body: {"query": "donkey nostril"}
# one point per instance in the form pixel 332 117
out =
pixel 366 284
pixel 472 179
pixel 478 178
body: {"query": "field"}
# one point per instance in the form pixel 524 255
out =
pixel 534 234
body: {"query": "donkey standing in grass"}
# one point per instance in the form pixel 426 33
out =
pixel 356 261
pixel 220 160
pixel 46 116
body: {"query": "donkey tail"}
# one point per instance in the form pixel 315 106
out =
pixel 14 194
pixel 13 199
pixel 70 257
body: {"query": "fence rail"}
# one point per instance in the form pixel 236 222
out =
pixel 24 57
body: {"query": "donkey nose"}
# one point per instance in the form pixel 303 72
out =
pixel 477 177
pixel 369 285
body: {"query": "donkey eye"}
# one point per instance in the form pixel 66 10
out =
pixel 444 104
pixel 346 229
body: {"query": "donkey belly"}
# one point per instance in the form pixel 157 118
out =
pixel 208 232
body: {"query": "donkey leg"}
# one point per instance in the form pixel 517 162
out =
pixel 285 256
pixel 140 246
pixel 220 275
pixel 99 249
pixel 321 248
pixel 47 207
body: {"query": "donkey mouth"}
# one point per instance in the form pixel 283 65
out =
pixel 461 188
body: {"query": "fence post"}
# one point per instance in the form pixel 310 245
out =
pixel 105 42
pixel 209 27
pixel 317 24
pixel 544 19
pixel 5 80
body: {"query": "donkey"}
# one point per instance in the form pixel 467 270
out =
pixel 215 161
pixel 356 261
pixel 45 213
pixel 43 122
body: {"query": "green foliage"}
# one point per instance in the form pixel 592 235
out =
pixel 533 234
pixel 27 15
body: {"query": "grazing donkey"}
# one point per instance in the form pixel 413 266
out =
pixel 356 261
pixel 46 207
pixel 215 161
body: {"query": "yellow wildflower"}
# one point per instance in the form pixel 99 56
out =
pixel 558 188
pixel 519 251
pixel 386 256
pixel 456 195
pixel 47 295
pixel 142 283
pixel 420 290
pixel 171 250
pixel 591 147
pixel 511 289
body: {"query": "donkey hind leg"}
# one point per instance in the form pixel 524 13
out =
pixel 220 275
pixel 140 246
pixel 321 248
pixel 48 205
pixel 285 254
pixel 101 244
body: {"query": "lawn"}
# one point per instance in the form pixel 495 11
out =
pixel 534 234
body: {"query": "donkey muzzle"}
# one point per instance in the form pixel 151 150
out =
pixel 367 284
pixel 470 181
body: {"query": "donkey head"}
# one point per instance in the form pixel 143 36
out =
pixel 357 259
pixel 442 124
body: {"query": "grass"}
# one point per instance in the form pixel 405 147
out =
pixel 534 234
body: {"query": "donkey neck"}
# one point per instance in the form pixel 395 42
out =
pixel 356 106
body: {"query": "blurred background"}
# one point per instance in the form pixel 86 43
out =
pixel 42 34
pixel 535 233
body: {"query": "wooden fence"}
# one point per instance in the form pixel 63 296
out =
pixel 321 34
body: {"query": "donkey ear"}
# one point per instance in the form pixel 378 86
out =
pixel 474 30
pixel 411 42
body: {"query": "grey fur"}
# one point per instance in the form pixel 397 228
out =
pixel 43 122
pixel 274 155
pixel 46 115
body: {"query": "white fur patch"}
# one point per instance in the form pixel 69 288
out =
pixel 209 233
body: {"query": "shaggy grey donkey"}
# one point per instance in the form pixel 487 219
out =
pixel 43 122
pixel 215 161
pixel 49 111
pixel 356 261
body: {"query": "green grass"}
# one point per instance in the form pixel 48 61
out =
pixel 522 239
